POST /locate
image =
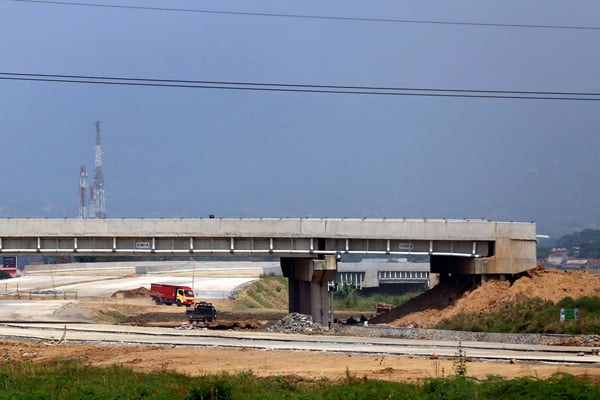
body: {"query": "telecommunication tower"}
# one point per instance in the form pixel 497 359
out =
pixel 97 200
pixel 81 206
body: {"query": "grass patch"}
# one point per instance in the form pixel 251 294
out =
pixel 111 317
pixel 270 292
pixel 350 299
pixel 532 316
pixel 71 379
pixel 249 303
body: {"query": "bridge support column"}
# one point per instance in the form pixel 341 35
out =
pixel 308 285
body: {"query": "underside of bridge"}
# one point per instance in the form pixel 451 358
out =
pixel 507 257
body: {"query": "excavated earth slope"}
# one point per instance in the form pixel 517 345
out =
pixel 449 298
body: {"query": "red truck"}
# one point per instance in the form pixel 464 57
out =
pixel 172 294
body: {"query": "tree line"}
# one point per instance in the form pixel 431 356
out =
pixel 581 244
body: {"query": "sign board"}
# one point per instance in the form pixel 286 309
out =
pixel 569 314
pixel 9 262
pixel 405 246
pixel 142 245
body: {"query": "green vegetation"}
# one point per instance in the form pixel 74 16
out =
pixel 460 361
pixel 583 244
pixel 111 317
pixel 71 379
pixel 348 298
pixel 269 292
pixel 532 316
pixel 4 275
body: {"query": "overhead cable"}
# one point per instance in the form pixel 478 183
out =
pixel 302 88
pixel 315 17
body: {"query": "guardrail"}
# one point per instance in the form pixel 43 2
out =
pixel 39 295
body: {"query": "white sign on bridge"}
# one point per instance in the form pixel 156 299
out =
pixel 142 245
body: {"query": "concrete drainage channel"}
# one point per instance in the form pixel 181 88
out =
pixel 437 334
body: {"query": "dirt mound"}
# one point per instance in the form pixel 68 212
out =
pixel 439 298
pixel 453 297
pixel 131 294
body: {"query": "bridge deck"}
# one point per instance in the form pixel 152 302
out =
pixel 408 229
pixel 258 237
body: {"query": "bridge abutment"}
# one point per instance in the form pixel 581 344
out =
pixel 508 257
pixel 308 279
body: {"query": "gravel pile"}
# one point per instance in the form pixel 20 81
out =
pixel 590 340
pixel 296 323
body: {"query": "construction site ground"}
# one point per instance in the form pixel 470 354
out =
pixel 200 361
pixel 135 308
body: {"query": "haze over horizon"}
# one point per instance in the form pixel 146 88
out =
pixel 191 152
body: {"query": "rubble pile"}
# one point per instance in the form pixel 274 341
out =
pixel 585 340
pixel 296 323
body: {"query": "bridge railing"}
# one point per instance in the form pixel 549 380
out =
pixel 243 246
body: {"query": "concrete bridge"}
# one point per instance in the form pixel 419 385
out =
pixel 308 248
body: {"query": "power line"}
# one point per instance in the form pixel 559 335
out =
pixel 302 88
pixel 316 17
pixel 349 87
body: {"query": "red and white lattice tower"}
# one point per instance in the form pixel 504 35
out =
pixel 97 199
pixel 81 199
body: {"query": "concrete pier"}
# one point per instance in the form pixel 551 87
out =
pixel 308 285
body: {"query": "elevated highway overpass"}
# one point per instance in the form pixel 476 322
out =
pixel 308 247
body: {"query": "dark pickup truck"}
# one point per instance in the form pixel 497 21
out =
pixel 202 312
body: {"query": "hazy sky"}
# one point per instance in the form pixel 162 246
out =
pixel 193 152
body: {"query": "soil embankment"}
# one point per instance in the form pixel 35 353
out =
pixel 452 297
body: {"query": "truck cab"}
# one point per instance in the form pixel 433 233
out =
pixel 184 296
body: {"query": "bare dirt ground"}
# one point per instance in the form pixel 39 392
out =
pixel 134 307
pixel 200 361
